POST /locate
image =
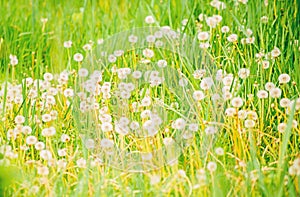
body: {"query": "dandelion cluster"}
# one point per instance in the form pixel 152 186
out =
pixel 204 104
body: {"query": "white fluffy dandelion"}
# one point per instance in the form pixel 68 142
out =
pixel 78 57
pixel 284 78
pixel 211 166
pixel 149 20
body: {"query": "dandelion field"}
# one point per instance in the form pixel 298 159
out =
pixel 149 98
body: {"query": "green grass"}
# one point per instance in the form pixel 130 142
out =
pixel 256 161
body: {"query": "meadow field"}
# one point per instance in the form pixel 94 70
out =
pixel 149 98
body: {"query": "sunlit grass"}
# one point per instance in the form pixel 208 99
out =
pixel 62 137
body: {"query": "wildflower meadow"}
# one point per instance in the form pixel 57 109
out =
pixel 149 98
